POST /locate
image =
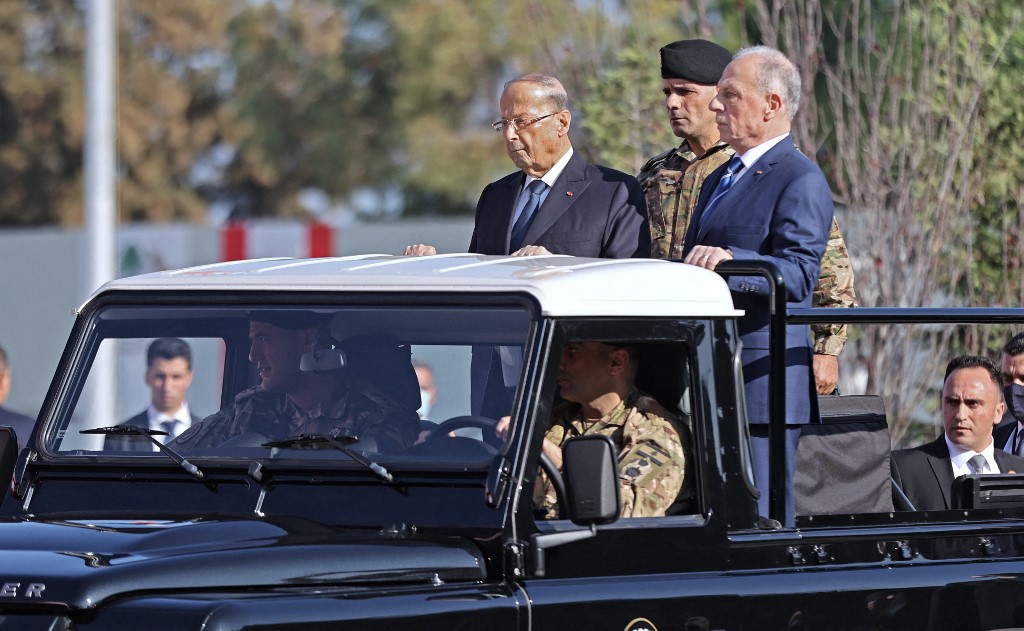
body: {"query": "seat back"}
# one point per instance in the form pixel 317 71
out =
pixel 386 364
pixel 842 463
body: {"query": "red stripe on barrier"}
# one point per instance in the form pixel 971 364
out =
pixel 320 240
pixel 232 242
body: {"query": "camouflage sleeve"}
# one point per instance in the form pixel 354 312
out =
pixel 835 289
pixel 652 465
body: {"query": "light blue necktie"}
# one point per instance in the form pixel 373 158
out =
pixel 977 463
pixel 533 194
pixel 723 186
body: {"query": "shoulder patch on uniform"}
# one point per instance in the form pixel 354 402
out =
pixel 187 435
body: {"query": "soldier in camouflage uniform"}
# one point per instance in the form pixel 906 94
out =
pixel 655 468
pixel 289 402
pixel 672 180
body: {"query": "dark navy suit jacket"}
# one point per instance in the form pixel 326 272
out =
pixel 926 476
pixel 1003 431
pixel 22 424
pixel 780 211
pixel 590 211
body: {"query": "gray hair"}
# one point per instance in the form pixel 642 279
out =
pixel 552 90
pixel 4 362
pixel 776 74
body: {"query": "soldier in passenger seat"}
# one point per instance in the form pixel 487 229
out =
pixel 655 448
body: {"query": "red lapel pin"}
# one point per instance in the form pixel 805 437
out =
pixel 569 193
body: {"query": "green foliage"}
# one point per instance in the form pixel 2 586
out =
pixel 624 113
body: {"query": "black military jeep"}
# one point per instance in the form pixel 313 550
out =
pixel 335 530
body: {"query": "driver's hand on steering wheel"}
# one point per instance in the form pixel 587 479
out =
pixel 501 429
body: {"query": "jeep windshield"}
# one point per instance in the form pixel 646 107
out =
pixel 400 385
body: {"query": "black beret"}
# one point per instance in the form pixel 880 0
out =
pixel 696 60
pixel 289 320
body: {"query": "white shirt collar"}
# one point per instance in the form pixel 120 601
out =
pixel 753 155
pixel 155 416
pixel 958 458
pixel 553 173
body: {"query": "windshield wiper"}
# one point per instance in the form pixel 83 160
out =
pixel 306 440
pixel 150 434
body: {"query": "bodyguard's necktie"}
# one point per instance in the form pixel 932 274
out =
pixel 977 463
pixel 1018 441
pixel 168 426
pixel 533 192
pixel 723 186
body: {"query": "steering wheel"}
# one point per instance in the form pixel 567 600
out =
pixel 485 424
pixel 556 481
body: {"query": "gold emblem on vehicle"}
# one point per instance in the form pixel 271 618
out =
pixel 641 624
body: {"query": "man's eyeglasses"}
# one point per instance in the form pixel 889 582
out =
pixel 517 123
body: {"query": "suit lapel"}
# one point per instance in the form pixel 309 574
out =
pixel 567 189
pixel 512 188
pixel 1003 460
pixel 732 201
pixel 942 469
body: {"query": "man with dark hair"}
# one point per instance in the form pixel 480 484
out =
pixel 597 382
pixel 972 404
pixel 168 375
pixel 21 424
pixel 1009 436
pixel 302 391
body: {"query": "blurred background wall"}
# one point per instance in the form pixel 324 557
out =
pixel 43 280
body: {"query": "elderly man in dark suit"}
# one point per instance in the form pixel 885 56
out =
pixel 556 202
pixel 768 203
pixel 972 404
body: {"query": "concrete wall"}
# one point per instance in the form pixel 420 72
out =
pixel 43 279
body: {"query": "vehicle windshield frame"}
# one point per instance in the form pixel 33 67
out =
pixel 92 326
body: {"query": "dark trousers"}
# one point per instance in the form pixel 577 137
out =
pixel 760 445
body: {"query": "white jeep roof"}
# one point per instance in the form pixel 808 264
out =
pixel 562 285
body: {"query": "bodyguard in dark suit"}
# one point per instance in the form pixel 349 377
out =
pixel 556 202
pixel 972 404
pixel 768 203
pixel 168 376
pixel 1009 434
pixel 21 424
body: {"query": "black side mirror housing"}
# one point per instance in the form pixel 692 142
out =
pixel 591 479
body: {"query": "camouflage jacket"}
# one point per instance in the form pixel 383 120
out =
pixel 356 409
pixel 655 469
pixel 671 183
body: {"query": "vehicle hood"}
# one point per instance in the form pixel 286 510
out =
pixel 78 564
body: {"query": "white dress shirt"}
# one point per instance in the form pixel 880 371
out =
pixel 958 458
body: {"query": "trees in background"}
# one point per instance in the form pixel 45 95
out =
pixel 381 107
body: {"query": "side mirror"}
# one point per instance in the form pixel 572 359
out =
pixel 591 480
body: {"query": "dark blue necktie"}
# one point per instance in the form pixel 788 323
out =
pixel 723 186
pixel 533 194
